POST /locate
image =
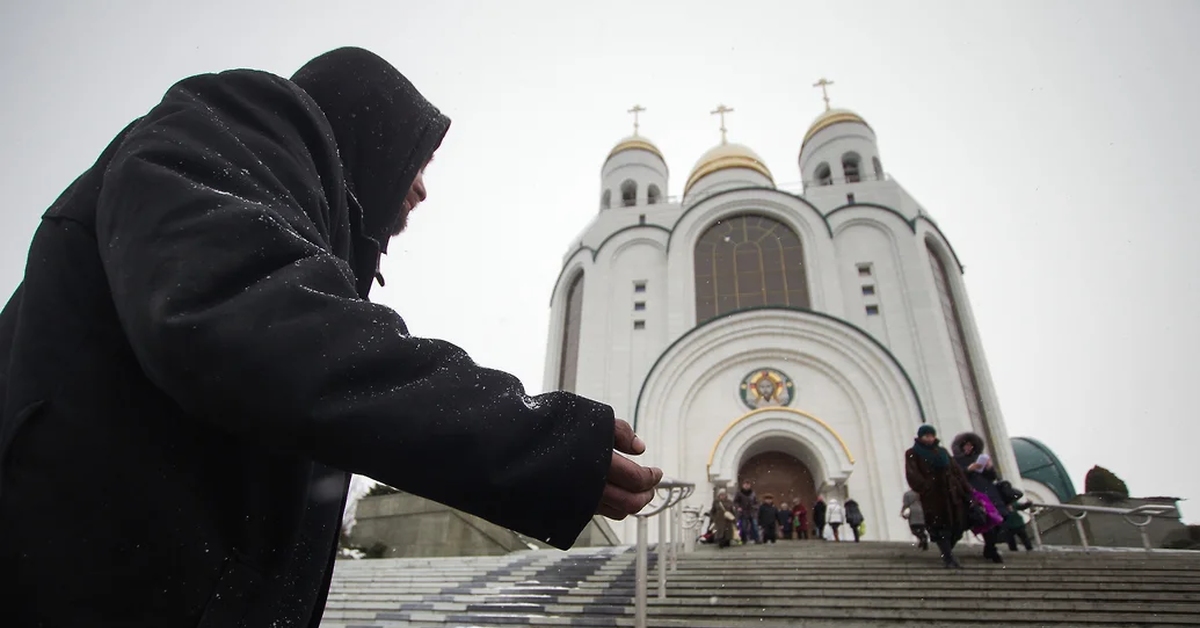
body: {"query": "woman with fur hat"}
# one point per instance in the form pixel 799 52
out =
pixel 981 475
pixel 943 488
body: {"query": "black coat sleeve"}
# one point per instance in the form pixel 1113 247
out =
pixel 214 229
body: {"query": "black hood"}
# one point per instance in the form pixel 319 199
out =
pixel 385 131
pixel 964 438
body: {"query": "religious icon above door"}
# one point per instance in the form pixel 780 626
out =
pixel 765 388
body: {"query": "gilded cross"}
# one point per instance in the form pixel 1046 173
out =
pixel 721 110
pixel 635 111
pixel 824 84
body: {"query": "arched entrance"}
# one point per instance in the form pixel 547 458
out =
pixel 780 474
pixel 809 441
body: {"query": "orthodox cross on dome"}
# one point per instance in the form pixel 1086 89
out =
pixel 635 111
pixel 721 110
pixel 824 83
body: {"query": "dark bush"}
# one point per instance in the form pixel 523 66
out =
pixel 1101 480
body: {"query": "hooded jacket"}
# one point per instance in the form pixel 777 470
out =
pixel 190 369
pixel 984 480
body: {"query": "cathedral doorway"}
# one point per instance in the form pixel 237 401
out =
pixel 779 474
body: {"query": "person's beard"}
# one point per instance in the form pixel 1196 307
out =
pixel 401 221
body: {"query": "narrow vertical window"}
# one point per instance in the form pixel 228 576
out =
pixel 568 367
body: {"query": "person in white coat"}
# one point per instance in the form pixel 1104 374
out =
pixel 835 515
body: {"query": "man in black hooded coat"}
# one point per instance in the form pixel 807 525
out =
pixel 190 368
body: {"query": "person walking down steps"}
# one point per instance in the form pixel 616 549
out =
pixel 943 488
pixel 768 518
pixel 785 520
pixel 912 511
pixel 722 519
pixel 800 520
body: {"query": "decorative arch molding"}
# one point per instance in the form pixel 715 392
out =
pixel 628 240
pixel 941 238
pixel 812 230
pixel 594 253
pixel 766 200
pixel 891 224
pixel 825 448
pixel 834 336
pixel 576 262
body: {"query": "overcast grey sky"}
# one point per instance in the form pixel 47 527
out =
pixel 1051 141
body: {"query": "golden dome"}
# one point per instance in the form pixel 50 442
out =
pixel 724 156
pixel 830 118
pixel 635 142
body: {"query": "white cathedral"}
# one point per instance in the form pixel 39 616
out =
pixel 794 340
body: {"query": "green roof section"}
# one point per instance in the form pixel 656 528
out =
pixel 1036 462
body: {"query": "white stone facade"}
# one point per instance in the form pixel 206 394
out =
pixel 863 381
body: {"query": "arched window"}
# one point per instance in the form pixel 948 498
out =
pixel 653 195
pixel 606 199
pixel 958 340
pixel 878 168
pixel 746 261
pixel 568 364
pixel 850 166
pixel 824 174
pixel 628 193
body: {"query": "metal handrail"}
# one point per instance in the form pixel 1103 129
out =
pixel 668 494
pixel 1078 513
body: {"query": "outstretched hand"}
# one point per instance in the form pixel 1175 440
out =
pixel 630 486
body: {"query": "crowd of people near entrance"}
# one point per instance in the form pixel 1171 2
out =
pixel 745 518
pixel 951 493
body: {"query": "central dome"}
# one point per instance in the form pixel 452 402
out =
pixel 723 157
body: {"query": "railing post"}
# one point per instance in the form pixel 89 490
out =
pixel 1082 532
pixel 692 529
pixel 668 492
pixel 676 532
pixel 1037 530
pixel 662 553
pixel 639 620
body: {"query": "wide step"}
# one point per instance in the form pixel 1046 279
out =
pixel 800 583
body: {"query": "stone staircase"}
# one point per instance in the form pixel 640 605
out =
pixel 797 583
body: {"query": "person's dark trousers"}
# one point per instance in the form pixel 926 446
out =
pixel 819 530
pixel 749 530
pixel 989 545
pixel 922 536
pixel 855 529
pixel 768 533
pixel 1019 533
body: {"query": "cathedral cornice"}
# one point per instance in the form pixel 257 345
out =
pixel 825 220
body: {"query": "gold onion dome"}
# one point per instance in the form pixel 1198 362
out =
pixel 831 117
pixel 725 156
pixel 635 142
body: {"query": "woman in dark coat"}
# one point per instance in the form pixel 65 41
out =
pixel 722 523
pixel 981 475
pixel 854 517
pixel 818 512
pixel 943 488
